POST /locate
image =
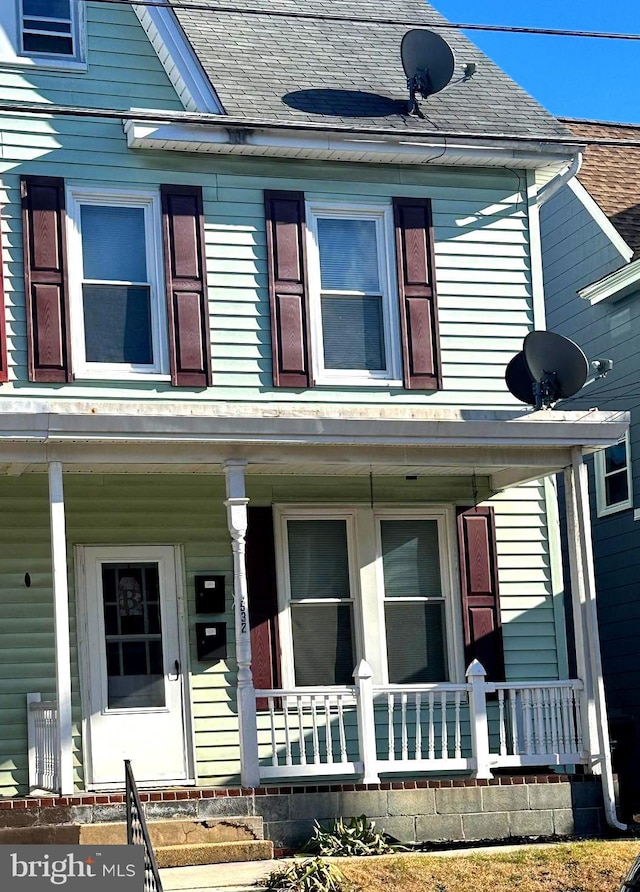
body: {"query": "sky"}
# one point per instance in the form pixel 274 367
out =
pixel 571 76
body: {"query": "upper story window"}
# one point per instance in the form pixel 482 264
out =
pixel 353 299
pixel 352 292
pixel 48 33
pixel 117 307
pixel 612 468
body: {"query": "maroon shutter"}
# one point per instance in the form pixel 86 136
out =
pixel 3 329
pixel 45 275
pixel 263 600
pixel 480 596
pixel 284 212
pixel 416 286
pixel 186 275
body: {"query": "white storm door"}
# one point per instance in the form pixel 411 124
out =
pixel 135 696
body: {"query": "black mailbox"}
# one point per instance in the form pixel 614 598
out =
pixel 211 641
pixel 209 594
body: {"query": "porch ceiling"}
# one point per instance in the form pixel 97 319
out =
pixel 507 447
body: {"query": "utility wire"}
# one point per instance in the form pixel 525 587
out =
pixel 237 122
pixel 365 20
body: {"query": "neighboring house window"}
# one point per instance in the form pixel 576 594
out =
pixel 42 32
pixel 613 478
pixel 352 296
pixel 331 603
pixel 117 304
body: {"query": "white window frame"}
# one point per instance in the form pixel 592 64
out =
pixel 366 581
pixel 382 215
pixel 149 201
pixel 444 518
pixel 283 514
pixel 11 31
pixel 602 509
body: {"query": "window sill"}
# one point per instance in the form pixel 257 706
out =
pixel 121 377
pixel 360 382
pixel 616 509
pixel 54 65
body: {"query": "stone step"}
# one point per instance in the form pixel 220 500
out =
pixel 163 833
pixel 178 832
pixel 214 853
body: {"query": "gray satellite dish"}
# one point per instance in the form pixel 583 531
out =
pixel 549 368
pixel 428 63
pixel 519 380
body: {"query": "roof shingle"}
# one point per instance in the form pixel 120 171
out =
pixel 612 175
pixel 348 73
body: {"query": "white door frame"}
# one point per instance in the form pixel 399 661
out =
pixel 132 552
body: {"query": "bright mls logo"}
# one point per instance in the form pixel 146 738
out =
pixel 76 868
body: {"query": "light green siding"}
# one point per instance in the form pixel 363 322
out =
pixel 189 511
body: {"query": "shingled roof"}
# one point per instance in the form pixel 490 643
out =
pixel 347 73
pixel 612 175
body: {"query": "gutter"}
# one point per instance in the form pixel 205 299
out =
pixel 615 286
pixel 554 185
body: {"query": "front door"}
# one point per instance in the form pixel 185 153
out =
pixel 134 699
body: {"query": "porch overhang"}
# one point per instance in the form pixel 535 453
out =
pixel 505 446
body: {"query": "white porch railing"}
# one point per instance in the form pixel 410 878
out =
pixel 42 734
pixel 368 730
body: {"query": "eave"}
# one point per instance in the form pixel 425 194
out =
pixel 223 135
pixel 505 447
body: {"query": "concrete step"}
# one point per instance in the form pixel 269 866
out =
pixel 214 853
pixel 229 877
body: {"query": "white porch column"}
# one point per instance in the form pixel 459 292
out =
pixel 61 626
pixel 236 503
pixel 583 589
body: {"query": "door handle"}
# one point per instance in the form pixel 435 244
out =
pixel 176 667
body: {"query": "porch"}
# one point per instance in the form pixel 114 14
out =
pixel 369 732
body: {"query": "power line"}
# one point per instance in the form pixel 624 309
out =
pixel 229 121
pixel 364 20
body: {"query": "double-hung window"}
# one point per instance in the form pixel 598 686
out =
pixel 117 306
pixel 344 596
pixel 613 478
pixel 42 32
pixel 414 603
pixel 319 584
pixel 352 294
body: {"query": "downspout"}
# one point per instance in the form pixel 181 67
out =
pixel 580 483
pixel 549 189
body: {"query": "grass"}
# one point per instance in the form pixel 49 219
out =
pixel 595 866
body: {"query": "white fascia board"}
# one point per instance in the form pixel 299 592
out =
pixel 260 425
pixel 592 206
pixel 178 59
pixel 615 286
pixel 331 146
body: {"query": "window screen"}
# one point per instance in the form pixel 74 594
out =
pixel 414 604
pixel 319 572
pixel 351 295
pixel 115 295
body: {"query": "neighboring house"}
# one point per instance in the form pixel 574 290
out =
pixel 591 255
pixel 250 302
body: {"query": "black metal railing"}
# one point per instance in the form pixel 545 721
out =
pixel 138 833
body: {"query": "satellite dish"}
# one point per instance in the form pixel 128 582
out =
pixel 519 380
pixel 428 63
pixel 548 368
pixel 557 360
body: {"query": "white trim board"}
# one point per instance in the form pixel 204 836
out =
pixel 599 216
pixel 178 59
